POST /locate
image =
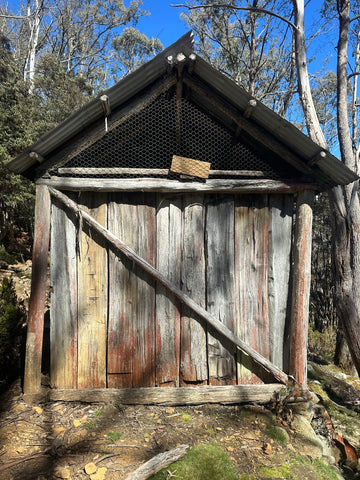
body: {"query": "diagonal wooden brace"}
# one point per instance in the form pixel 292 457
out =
pixel 116 243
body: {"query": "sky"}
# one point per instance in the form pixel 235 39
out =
pixel 164 22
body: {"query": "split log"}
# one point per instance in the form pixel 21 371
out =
pixel 35 329
pixel 225 394
pixel 157 463
pixel 215 324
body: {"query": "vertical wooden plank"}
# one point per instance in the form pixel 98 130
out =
pixel 63 311
pixel 193 367
pixel 168 262
pixel 35 323
pixel 122 222
pixel 144 360
pixel 220 286
pixel 131 331
pixel 281 211
pixel 252 226
pixel 92 296
pixel 301 277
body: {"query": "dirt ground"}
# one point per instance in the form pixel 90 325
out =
pixel 60 440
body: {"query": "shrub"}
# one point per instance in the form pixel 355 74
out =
pixel 12 331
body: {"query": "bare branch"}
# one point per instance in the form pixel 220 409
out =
pixel 233 7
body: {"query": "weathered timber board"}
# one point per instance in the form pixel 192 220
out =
pixel 168 262
pixel 193 332
pixel 220 286
pixel 122 283
pixel 63 312
pixel 281 210
pixel 251 266
pixel 92 297
pixel 144 360
pixel 230 394
pixel 131 330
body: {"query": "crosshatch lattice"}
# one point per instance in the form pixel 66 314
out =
pixel 144 144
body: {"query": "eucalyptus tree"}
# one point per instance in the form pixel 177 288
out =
pixel 251 46
pixel 82 35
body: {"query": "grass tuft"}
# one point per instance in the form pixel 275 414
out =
pixel 201 462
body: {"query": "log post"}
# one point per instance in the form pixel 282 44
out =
pixel 301 278
pixel 35 327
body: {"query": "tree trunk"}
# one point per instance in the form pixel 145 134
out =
pixel 344 202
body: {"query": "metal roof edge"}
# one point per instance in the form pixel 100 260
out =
pixel 93 111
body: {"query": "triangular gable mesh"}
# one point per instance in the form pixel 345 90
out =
pixel 149 138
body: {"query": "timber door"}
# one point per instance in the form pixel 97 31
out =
pixel 113 325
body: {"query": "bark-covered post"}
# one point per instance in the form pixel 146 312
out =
pixel 301 278
pixel 35 327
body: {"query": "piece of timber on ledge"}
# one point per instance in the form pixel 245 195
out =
pixel 169 395
pixel 164 185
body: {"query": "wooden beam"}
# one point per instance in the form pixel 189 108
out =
pixel 214 324
pixel 166 185
pixel 151 171
pixel 301 278
pixel 229 394
pixel 35 327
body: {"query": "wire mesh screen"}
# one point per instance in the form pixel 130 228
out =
pixel 143 142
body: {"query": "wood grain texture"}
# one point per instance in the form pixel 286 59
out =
pixel 92 296
pixel 63 312
pixel 252 222
pixel 281 211
pixel 170 186
pixel 171 396
pixel 144 360
pixel 220 286
pixel 168 262
pixel 263 363
pixel 194 367
pixel 131 331
pixel 301 288
pixel 122 283
pixel 35 322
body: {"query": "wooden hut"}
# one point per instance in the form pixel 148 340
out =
pixel 178 210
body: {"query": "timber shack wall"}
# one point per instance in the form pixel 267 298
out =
pixel 163 281
pixel 113 326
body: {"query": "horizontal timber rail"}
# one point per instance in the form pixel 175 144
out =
pixel 215 324
pixel 230 394
pixel 165 185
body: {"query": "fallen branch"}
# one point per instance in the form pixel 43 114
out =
pixel 157 463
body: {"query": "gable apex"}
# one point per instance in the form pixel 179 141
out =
pixel 247 120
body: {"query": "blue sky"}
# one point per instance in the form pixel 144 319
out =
pixel 165 23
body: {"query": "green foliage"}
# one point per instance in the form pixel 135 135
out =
pixel 201 462
pixel 134 48
pixel 277 434
pixel 12 315
pixel 322 344
pixel 113 437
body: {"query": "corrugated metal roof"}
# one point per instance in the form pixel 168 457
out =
pixel 309 155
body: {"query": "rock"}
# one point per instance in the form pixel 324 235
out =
pixel 77 423
pixel 38 410
pixel 90 468
pixel 314 445
pixel 62 472
pixel 100 474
